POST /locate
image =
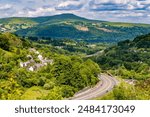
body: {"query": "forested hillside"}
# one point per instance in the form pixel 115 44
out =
pixel 59 79
pixel 50 69
pixel 70 26
pixel 129 60
pixel 129 57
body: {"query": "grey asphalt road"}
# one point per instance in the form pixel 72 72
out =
pixel 105 85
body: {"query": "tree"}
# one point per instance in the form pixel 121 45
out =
pixel 4 43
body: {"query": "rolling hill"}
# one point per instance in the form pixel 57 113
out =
pixel 36 71
pixel 130 59
pixel 74 27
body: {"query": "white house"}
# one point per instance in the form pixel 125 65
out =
pixel 40 57
pixel 31 69
pixel 37 52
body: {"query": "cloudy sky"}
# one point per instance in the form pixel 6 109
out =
pixel 110 10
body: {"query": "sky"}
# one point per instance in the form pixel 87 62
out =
pixel 137 11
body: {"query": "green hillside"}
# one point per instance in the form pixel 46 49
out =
pixel 53 69
pixel 130 58
pixel 62 17
pixel 130 61
pixel 73 27
pixel 29 70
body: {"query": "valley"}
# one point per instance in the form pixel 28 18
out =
pixel 70 26
pixel 69 57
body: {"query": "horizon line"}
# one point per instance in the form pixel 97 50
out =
pixel 74 15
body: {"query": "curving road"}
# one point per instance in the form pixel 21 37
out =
pixel 95 54
pixel 105 85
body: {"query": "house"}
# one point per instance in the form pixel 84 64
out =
pixel 24 64
pixel 31 65
pixel 40 57
pixel 32 50
pixel 31 68
pixel 37 52
pixel 29 56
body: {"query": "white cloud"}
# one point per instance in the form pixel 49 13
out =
pixel 37 12
pixel 6 6
pixel 64 4
pixel 129 14
pixel 69 5
pixel 113 1
pixel 119 4
pixel 112 10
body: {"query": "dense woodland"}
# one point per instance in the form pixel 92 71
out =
pixel 67 75
pixel 70 26
pixel 71 69
pixel 100 32
pixel 128 60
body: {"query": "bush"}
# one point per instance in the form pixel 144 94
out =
pixel 49 85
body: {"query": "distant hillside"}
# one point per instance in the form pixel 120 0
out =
pixel 73 27
pixel 130 59
pixel 142 41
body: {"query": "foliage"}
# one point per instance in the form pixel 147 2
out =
pixel 129 59
pixel 73 27
pixel 62 79
pixel 140 91
pixel 4 43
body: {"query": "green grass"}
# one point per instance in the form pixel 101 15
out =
pixel 120 24
pixel 17 21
